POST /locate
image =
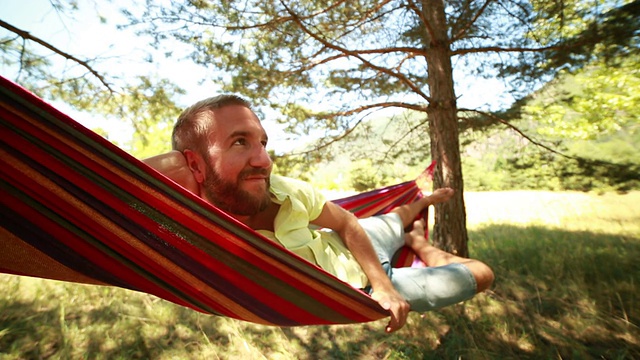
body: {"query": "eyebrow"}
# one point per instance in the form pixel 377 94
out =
pixel 244 133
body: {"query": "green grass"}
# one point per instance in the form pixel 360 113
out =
pixel 567 271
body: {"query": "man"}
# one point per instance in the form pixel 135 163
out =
pixel 220 154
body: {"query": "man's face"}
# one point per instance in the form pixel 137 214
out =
pixel 237 165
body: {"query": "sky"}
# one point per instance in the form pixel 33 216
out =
pixel 84 36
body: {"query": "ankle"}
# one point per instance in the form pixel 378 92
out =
pixel 433 256
pixel 425 202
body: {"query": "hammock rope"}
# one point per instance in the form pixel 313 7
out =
pixel 75 207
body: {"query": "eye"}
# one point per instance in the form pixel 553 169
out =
pixel 240 141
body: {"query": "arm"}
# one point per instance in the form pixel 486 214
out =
pixel 174 166
pixel 355 238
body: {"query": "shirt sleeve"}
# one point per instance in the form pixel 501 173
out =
pixel 300 191
pixel 315 201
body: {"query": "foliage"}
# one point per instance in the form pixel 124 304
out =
pixel 612 33
pixel 589 119
pixel 566 288
pixel 44 68
pixel 380 151
pixel 152 110
pixel 321 63
pixel 313 60
pixel 301 58
pixel 146 103
pixel 30 66
pixel 494 159
pixel 93 86
pixel 595 102
pixel 292 166
pixel 610 163
pixel 365 177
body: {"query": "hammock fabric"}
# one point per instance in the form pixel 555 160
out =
pixel 74 207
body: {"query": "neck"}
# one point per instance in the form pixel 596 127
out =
pixel 242 218
pixel 263 220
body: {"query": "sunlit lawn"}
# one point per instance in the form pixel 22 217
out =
pixel 567 288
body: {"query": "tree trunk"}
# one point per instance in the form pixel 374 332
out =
pixel 450 230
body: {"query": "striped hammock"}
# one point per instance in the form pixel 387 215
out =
pixel 74 207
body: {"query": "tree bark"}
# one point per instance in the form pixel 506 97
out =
pixel 449 230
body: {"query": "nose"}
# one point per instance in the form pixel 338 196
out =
pixel 260 158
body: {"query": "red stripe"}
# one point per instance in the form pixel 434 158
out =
pixel 89 186
pixel 376 203
pixel 79 245
pixel 87 223
pixel 139 218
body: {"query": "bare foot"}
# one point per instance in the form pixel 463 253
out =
pixel 428 253
pixel 433 256
pixel 440 195
pixel 416 238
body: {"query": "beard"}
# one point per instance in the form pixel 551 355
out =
pixel 227 195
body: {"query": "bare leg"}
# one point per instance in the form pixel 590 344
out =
pixel 433 256
pixel 409 212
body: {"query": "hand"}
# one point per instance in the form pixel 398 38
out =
pixel 397 306
pixel 174 166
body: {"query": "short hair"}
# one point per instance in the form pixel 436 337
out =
pixel 191 130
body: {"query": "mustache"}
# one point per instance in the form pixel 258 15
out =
pixel 253 172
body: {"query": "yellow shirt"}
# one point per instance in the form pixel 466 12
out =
pixel 300 204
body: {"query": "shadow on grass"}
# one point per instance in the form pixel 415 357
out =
pixel 340 341
pixel 558 294
pixel 21 332
pixel 47 328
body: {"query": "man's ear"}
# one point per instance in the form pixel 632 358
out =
pixel 196 164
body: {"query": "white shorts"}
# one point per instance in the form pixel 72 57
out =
pixel 425 288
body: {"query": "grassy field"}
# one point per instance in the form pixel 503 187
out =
pixel 567 267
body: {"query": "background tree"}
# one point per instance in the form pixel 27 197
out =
pixel 92 84
pixel 322 64
pixel 348 59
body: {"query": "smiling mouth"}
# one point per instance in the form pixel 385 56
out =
pixel 255 175
pixel 255 178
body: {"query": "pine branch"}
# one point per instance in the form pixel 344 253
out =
pixel 27 36
pixel 514 128
pixel 464 30
pixel 381 105
pixel 354 54
pixel 579 159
